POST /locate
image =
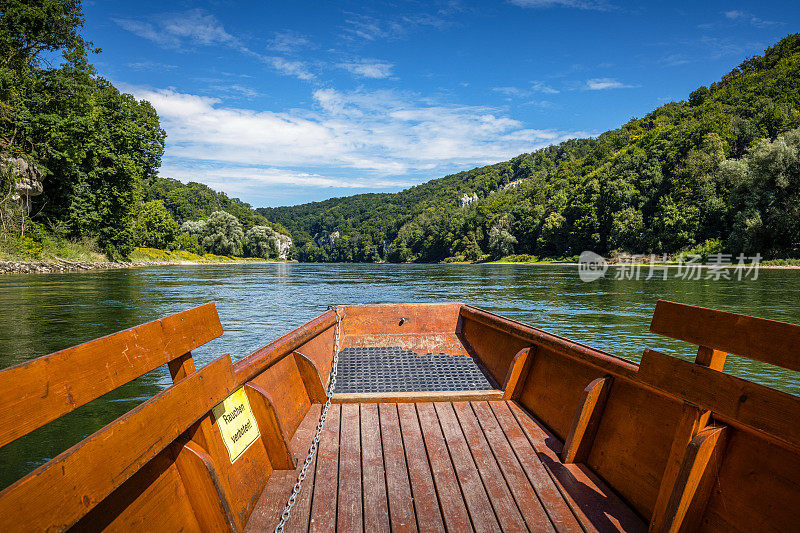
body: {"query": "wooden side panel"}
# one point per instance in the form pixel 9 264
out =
pixel 39 391
pixel 632 443
pixel 66 488
pixel 553 389
pixel 285 387
pixel 386 319
pixel 495 349
pixel 757 488
pixel 319 350
pixel 584 426
pixel 595 505
pixel 731 398
pixel 769 341
pixel 154 499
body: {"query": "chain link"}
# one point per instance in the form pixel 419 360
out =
pixel 287 511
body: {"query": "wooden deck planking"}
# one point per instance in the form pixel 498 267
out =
pixel 270 506
pixel 478 505
pixel 468 466
pixel 350 515
pixel 324 499
pixel 426 504
pixel 557 508
pixel 398 485
pixel 448 491
pixel 505 507
pixel 376 507
pixel 524 494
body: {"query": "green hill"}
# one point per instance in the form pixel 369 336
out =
pixel 721 166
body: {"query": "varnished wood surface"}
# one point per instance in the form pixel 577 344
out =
pixel 460 466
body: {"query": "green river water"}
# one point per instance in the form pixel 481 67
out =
pixel 258 302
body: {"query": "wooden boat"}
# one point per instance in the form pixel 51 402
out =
pixel 565 438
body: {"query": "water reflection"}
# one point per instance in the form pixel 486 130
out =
pixel 45 313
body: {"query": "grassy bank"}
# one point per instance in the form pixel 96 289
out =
pixel 47 247
pixel 154 255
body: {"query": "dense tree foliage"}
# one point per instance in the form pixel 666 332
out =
pixel 92 144
pixel 659 184
pixel 154 226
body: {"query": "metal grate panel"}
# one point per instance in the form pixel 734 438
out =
pixel 395 369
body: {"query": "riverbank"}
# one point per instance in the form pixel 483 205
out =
pixel 140 257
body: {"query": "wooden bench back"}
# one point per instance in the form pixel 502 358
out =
pixel 62 491
pixel 768 341
pixel 39 391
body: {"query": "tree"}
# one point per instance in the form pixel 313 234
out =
pixel 261 241
pixel 501 241
pixel 193 227
pixel 187 243
pixel 222 234
pixel 155 227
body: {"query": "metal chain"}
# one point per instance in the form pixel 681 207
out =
pixel 323 415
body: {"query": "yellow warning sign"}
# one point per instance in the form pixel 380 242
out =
pixel 236 423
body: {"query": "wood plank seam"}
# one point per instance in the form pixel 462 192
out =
pixel 447 468
pixel 527 506
pixel 475 464
pixel 561 514
pixel 430 465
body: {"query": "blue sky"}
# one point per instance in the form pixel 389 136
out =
pixel 280 103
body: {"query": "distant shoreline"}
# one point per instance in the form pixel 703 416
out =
pixel 64 266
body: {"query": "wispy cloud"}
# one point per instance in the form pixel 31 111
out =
pixel 598 5
pixel 298 69
pixel 602 84
pixel 288 41
pixel 171 30
pixel 749 18
pixel 199 28
pixel 524 92
pixel 373 28
pixel 371 137
pixel 151 65
pixel 368 68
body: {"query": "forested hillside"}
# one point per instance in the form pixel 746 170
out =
pixel 720 170
pixel 79 159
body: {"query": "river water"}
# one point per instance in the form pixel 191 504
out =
pixel 258 302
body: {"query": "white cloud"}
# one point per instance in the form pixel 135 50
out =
pixel 151 65
pixel 289 67
pixel 602 84
pixel 744 16
pixel 368 68
pixel 197 27
pixel 598 5
pixel 171 30
pixel 535 87
pixel 367 136
pixel 288 41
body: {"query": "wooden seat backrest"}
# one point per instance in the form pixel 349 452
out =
pixel 60 492
pixel 39 391
pixel 734 399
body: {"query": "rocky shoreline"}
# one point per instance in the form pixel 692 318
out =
pixel 59 265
